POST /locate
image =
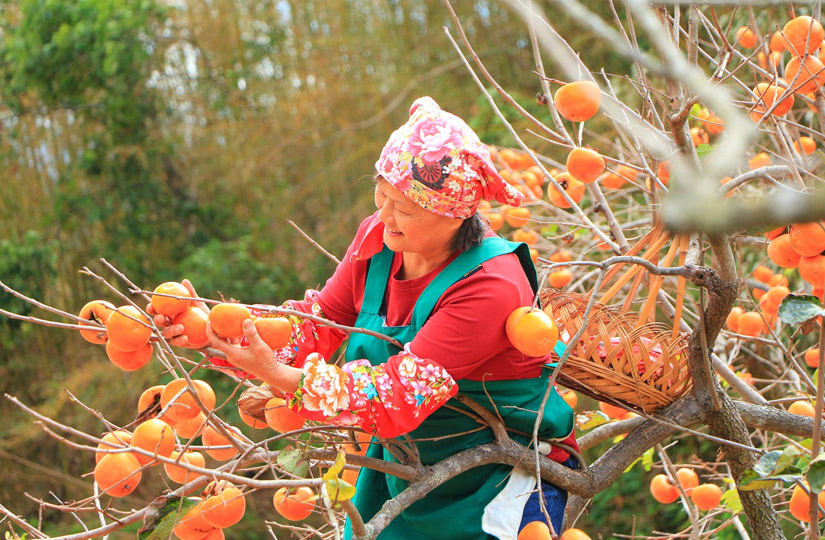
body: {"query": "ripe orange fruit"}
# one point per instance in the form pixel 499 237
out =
pixel 578 101
pixel 805 75
pixel 802 407
pixel 517 217
pixel 227 319
pixel 699 136
pixel 799 504
pixel 155 436
pixel 762 273
pixel 732 321
pixel 805 145
pixel 663 172
pixel 782 253
pixel 622 175
pixel 509 157
pixel 192 526
pixel 778 280
pixel 296 505
pixel 129 361
pixel 118 474
pixel 250 420
pixel 560 278
pixel 225 508
pixel 179 474
pixel 585 164
pixel 746 37
pixel 662 490
pixel 532 332
pixel 214 534
pixel 534 255
pixel 706 497
pixel 574 534
pixel 185 406
pixel 808 239
pixel 211 438
pixel 687 478
pixel 527 236
pixel 612 411
pixel 812 270
pixel 758 293
pixel 778 293
pixel 194 321
pixel 535 530
pixel 495 220
pixel 97 311
pixel 111 441
pixel 570 397
pixel 762 159
pixel 570 185
pixel 190 428
pixel 766 94
pixel 166 305
pixel 280 417
pixel 150 398
pixel 561 255
pixel 802 35
pixel 128 329
pixel 751 324
pixel 812 357
pixel 777 42
pixel 773 233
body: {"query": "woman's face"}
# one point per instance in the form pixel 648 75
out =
pixel 410 228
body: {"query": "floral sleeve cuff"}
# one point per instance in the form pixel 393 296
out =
pixel 389 399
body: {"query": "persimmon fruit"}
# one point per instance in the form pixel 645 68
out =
pixel 568 183
pixel 585 164
pixel 535 530
pixel 560 278
pixel 192 526
pixel 612 411
pixel 663 490
pixel 802 407
pixel 746 37
pixel 294 505
pixel 185 406
pixel 732 320
pixel 212 439
pixel 561 255
pixel 802 35
pixel 194 321
pixel 128 329
pixel 154 436
pixel 129 360
pixel 118 474
pixel 574 534
pixel 812 270
pixel 706 496
pixel 190 428
pixel 167 305
pixel 805 75
pixel 180 474
pixel 805 146
pixel 275 331
pixel 812 357
pixel 782 253
pixel 761 159
pixel 224 509
pixel 751 324
pixel 532 331
pixel 799 504
pixel 97 311
pixel 762 273
pixel 687 478
pixel 112 441
pixel 280 417
pixel 227 319
pixel 808 239
pixel 578 101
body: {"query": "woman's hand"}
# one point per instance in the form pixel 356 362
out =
pixel 173 333
pixel 256 358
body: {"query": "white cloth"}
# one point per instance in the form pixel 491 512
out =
pixel 502 516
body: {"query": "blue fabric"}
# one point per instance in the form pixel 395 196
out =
pixel 555 501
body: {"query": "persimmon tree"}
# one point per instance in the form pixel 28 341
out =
pixel 711 142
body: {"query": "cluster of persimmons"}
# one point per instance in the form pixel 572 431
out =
pixel 171 413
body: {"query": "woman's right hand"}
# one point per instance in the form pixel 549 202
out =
pixel 173 333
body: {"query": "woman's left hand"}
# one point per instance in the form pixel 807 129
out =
pixel 256 357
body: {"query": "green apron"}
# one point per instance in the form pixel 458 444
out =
pixel 454 509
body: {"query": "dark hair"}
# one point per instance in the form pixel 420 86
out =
pixel 470 234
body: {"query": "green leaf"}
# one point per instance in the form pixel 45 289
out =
pixel 796 309
pixel 752 481
pixel 647 459
pixel 160 527
pixel 338 490
pixel 293 461
pixel 816 474
pixel 696 109
pixel 337 467
pixel 591 419
pixel 704 150
pixel 777 462
pixel 731 500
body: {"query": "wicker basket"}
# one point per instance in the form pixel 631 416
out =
pixel 624 357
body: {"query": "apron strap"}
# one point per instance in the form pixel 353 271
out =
pixel 464 265
pixel 378 275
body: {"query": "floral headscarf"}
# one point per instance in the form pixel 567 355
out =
pixel 438 162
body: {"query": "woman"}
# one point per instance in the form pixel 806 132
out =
pixel 426 270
